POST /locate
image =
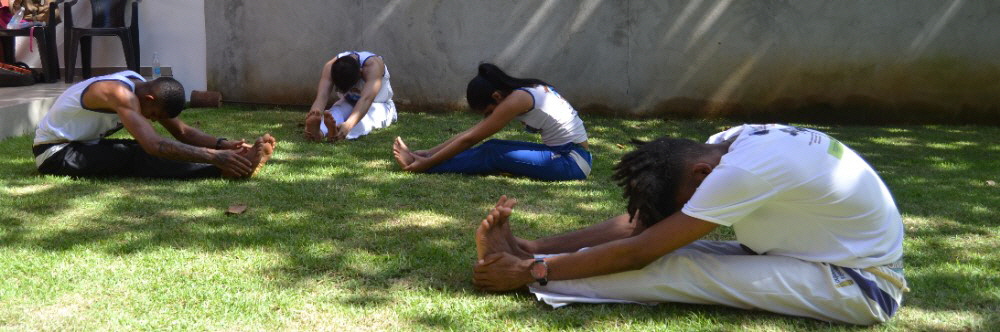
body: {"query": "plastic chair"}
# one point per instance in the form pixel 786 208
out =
pixel 46 37
pixel 108 20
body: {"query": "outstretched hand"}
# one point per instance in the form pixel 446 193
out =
pixel 500 272
pixel 408 160
pixel 341 133
pixel 231 162
pixel 419 164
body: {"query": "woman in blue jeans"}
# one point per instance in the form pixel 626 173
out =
pixel 501 98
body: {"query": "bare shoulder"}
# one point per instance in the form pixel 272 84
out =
pixel 520 99
pixel 374 64
pixel 108 95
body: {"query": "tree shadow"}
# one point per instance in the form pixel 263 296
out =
pixel 343 212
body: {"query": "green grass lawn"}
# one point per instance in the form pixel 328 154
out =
pixel 336 237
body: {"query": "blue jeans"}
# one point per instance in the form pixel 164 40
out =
pixel 552 163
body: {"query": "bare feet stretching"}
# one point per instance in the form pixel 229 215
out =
pixel 331 126
pixel 258 154
pixel 494 235
pixel 402 153
pixel 313 121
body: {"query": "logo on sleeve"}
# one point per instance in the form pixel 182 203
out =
pixel 836 148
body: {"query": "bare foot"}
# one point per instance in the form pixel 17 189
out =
pixel 331 126
pixel 267 138
pixel 313 121
pixel 494 235
pixel 402 153
pixel 264 148
pixel 258 155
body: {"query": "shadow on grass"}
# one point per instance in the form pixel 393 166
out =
pixel 344 211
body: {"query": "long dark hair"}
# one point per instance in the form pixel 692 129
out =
pixel 490 79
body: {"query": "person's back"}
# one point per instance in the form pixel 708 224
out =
pixel 69 120
pixel 553 117
pixel 800 193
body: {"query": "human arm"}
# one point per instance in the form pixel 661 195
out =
pixel 432 151
pixel 517 103
pixel 118 98
pixel 372 73
pixel 503 271
pixel 323 90
pixel 616 228
pixel 192 136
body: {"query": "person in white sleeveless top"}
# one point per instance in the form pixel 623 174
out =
pixel 563 154
pixel 818 233
pixel 70 139
pixel 364 98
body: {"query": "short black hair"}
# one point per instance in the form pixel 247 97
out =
pixel 345 72
pixel 651 175
pixel 170 93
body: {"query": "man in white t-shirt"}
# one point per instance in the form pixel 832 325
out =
pixel 818 233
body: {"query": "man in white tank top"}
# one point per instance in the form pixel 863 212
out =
pixel 364 103
pixel 818 233
pixel 70 139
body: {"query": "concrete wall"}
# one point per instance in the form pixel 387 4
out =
pixel 622 55
pixel 174 28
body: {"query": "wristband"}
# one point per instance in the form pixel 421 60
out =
pixel 218 143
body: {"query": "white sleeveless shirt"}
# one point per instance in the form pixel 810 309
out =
pixel 69 121
pixel 385 93
pixel 553 117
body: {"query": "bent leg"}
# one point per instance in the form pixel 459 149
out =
pixel 722 273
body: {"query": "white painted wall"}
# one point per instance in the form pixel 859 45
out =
pixel 173 28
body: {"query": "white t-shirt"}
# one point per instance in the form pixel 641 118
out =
pixel 797 192
pixel 553 117
pixel 69 121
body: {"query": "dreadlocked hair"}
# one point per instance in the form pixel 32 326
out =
pixel 651 175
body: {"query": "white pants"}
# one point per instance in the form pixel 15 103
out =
pixel 717 272
pixel 380 115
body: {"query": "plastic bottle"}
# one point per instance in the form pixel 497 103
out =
pixel 15 22
pixel 156 65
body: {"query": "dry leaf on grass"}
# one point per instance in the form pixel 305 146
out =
pixel 237 208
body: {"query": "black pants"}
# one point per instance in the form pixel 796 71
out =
pixel 117 157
